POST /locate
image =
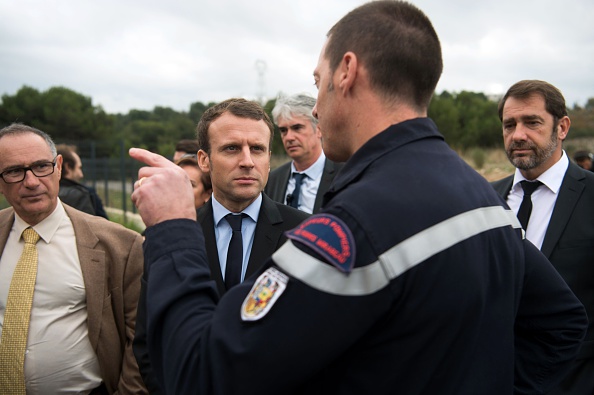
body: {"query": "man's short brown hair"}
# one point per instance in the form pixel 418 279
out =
pixel 398 46
pixel 240 108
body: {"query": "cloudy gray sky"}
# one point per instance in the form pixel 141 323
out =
pixel 133 54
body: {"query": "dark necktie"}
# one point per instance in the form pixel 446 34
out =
pixel 294 201
pixel 526 206
pixel 235 252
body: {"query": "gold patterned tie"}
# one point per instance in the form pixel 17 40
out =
pixel 15 328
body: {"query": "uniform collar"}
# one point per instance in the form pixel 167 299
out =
pixel 390 139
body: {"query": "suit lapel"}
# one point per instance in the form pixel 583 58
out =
pixel 569 194
pixel 266 235
pixel 206 220
pixel 6 221
pixel 503 186
pixel 327 177
pixel 92 264
pixel 281 189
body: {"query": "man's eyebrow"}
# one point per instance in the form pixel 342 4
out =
pixel 37 162
pixel 531 118
pixel 524 118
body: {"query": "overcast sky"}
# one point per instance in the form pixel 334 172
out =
pixel 132 54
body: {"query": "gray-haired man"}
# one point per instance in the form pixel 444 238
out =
pixel 309 169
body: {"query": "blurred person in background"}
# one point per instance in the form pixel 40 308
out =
pixel 185 147
pixel 72 192
pixel 201 184
pixel 584 159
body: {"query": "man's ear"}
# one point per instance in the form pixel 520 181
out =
pixel 563 127
pixel 347 71
pixel 318 132
pixel 203 161
pixel 59 168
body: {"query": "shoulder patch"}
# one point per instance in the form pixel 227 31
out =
pixel 265 292
pixel 329 236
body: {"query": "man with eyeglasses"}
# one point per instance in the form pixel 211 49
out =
pixel 78 329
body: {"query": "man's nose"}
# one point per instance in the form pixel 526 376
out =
pixel 30 178
pixel 246 158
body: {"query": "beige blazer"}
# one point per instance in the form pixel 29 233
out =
pixel 112 262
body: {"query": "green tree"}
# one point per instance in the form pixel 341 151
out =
pixel 466 119
pixel 582 120
pixel 25 107
pixel 62 113
pixel 444 113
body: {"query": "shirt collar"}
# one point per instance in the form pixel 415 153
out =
pixel 46 228
pixel 552 177
pixel 219 211
pixel 314 171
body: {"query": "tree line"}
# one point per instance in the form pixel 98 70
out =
pixel 466 119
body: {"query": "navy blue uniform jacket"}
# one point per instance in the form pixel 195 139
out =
pixel 446 297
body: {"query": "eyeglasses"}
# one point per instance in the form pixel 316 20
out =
pixel 39 169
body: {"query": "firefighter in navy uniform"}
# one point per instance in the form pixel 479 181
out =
pixel 414 279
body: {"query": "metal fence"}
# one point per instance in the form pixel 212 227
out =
pixel 113 177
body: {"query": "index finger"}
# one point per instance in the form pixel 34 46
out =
pixel 150 158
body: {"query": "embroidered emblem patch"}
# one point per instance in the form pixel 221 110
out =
pixel 265 292
pixel 328 236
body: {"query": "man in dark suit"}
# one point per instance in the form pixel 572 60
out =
pixel 302 140
pixel 273 220
pixel 234 138
pixel 86 285
pixel 561 222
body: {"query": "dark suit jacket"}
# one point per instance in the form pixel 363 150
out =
pixel 274 219
pixel 111 262
pixel 569 243
pixel 276 188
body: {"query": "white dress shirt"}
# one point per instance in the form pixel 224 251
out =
pixel 59 358
pixel 543 199
pixel 310 185
pixel 223 231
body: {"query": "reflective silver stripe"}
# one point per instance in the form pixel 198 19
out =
pixel 398 259
pixel 319 275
